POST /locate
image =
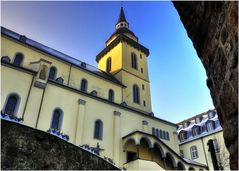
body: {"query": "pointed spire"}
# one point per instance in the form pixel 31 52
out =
pixel 122 23
pixel 121 16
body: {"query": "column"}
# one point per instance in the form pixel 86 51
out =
pixel 164 163
pixel 80 122
pixel 117 130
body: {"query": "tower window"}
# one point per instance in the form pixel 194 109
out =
pixel 111 95
pixel 143 86
pixel 11 105
pixel 52 73
pixel 140 56
pixel 194 152
pixel 136 97
pixel 134 63
pixel 57 119
pixel 98 131
pixel 142 71
pixel 108 65
pixel 144 103
pixel 18 59
pixel 83 86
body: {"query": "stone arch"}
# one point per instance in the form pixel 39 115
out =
pixel 170 161
pixel 130 149
pixel 160 148
pixel 158 154
pixel 145 149
pixel 128 141
pixel 191 168
pixel 148 141
pixel 180 166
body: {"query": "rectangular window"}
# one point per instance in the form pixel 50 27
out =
pixel 142 71
pixel 144 103
pixel 142 86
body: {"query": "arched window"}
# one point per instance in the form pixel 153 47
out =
pixel 56 120
pixel 153 131
pixel 210 126
pixel 52 73
pixel 134 63
pixel 160 134
pixel 83 85
pixel 194 152
pixel 164 135
pixel 111 95
pixel 157 133
pixel 108 65
pixel 167 136
pixel 18 59
pixel 98 131
pixel 12 104
pixel 136 97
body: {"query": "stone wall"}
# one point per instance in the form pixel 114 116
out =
pixel 23 147
pixel 213 29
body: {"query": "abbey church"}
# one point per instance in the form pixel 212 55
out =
pixel 108 108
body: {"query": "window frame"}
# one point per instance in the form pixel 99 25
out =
pixel 134 61
pixel 136 94
pixel 111 95
pixel 16 106
pixel 100 130
pixel 15 57
pixel 55 74
pixel 109 64
pixel 194 152
pixel 60 121
pixel 83 80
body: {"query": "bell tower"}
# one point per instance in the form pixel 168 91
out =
pixel 126 59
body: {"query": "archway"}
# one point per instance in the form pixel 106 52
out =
pixel 169 162
pixel 180 166
pixel 144 149
pixel 158 155
pixel 130 149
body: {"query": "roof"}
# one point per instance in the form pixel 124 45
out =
pixel 194 117
pixel 121 16
pixel 59 55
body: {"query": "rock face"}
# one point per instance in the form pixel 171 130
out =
pixel 23 148
pixel 213 29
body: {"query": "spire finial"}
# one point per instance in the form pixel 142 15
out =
pixel 121 4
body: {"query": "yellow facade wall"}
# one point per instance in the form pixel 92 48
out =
pixel 11 47
pixel 18 83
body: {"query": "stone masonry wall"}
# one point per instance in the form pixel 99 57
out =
pixel 213 29
pixel 23 148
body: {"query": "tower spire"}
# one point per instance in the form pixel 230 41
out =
pixel 122 22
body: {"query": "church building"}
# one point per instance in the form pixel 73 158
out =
pixel 106 109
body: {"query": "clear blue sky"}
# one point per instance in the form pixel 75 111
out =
pixel 80 29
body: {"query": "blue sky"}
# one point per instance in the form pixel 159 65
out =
pixel 80 29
